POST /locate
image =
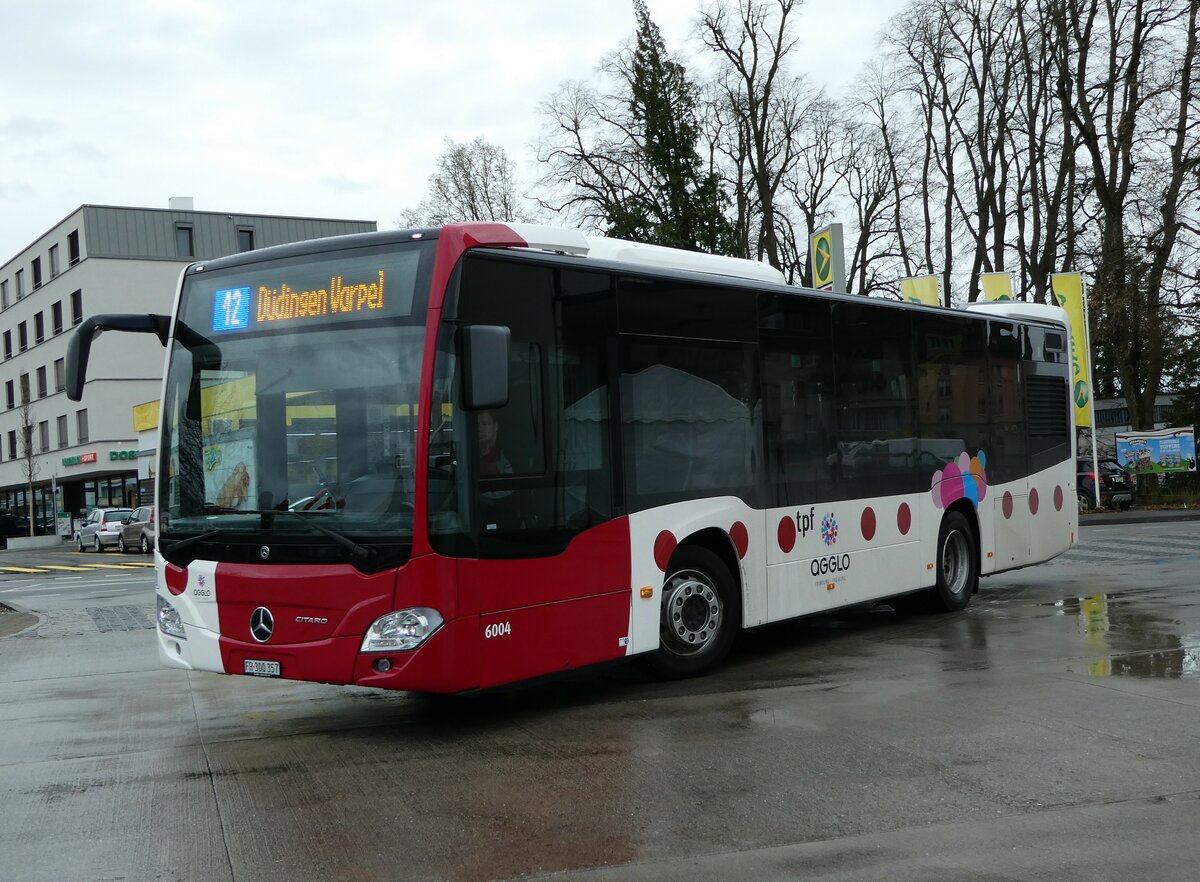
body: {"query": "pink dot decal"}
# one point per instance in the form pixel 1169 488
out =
pixel 787 534
pixel 740 539
pixel 868 524
pixel 963 478
pixel 904 519
pixel 1033 500
pixel 1058 498
pixel 664 547
pixel 1006 505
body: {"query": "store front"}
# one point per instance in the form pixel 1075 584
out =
pixel 63 498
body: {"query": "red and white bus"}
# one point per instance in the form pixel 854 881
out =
pixel 444 460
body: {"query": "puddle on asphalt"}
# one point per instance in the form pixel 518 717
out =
pixel 1127 641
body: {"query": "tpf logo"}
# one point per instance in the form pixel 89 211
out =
pixel 807 522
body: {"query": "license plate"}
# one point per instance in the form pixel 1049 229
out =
pixel 258 668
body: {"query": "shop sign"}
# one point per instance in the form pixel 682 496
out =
pixel 80 459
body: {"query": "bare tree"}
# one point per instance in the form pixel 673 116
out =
pixel 812 182
pixel 473 181
pixel 878 97
pixel 863 169
pixel 29 464
pixel 1127 80
pixel 752 39
pixel 1043 144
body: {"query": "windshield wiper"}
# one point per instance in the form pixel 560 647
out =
pixel 176 545
pixel 362 552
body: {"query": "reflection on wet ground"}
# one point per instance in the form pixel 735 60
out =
pixel 1130 640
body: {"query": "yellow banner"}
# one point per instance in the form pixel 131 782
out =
pixel 1068 293
pixel 145 416
pixel 920 289
pixel 996 286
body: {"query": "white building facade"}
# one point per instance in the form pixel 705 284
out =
pixel 102 259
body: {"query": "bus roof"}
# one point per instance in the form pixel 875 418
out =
pixel 602 248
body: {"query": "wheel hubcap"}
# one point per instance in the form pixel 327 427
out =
pixel 692 612
pixel 955 562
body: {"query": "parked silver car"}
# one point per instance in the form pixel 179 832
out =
pixel 101 529
pixel 137 532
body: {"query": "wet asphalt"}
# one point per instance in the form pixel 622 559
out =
pixel 1049 731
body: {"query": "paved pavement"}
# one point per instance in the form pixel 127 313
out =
pixel 1139 516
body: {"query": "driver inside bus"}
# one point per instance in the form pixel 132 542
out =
pixel 497 506
pixel 492 460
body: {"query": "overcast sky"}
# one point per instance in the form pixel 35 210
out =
pixel 308 108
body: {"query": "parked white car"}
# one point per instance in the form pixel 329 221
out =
pixel 102 529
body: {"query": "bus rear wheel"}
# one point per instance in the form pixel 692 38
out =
pixel 957 565
pixel 699 617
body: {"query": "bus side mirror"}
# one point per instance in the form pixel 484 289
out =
pixel 80 345
pixel 485 366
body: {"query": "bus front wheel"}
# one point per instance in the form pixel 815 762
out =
pixel 957 567
pixel 699 618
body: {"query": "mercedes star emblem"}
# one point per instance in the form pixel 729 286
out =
pixel 262 624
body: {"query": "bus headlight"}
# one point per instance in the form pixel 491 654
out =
pixel 169 621
pixel 402 630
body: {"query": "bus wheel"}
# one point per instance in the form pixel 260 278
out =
pixel 957 572
pixel 700 614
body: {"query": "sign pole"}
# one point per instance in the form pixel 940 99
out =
pixel 1087 333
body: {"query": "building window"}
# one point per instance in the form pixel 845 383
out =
pixel 245 239
pixel 56 317
pixel 76 307
pixel 39 328
pixel 4 294
pixel 11 393
pixel 12 444
pixel 81 425
pixel 73 247
pixel 8 344
pixel 53 261
pixel 37 273
pixel 60 374
pixel 24 385
pixel 62 432
pixel 20 284
pixel 43 436
pixel 23 335
pixel 41 381
pixel 184 243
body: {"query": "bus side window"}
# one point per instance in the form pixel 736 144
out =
pixel 877 423
pixel 689 411
pixel 799 400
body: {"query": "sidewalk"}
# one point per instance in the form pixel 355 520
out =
pixel 1138 516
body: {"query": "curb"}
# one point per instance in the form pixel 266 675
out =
pixel 1139 517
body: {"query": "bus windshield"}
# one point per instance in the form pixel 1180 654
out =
pixel 291 400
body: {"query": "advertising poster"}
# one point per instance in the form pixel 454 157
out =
pixel 229 470
pixel 1155 453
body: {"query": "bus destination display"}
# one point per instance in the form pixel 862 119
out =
pixel 243 307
